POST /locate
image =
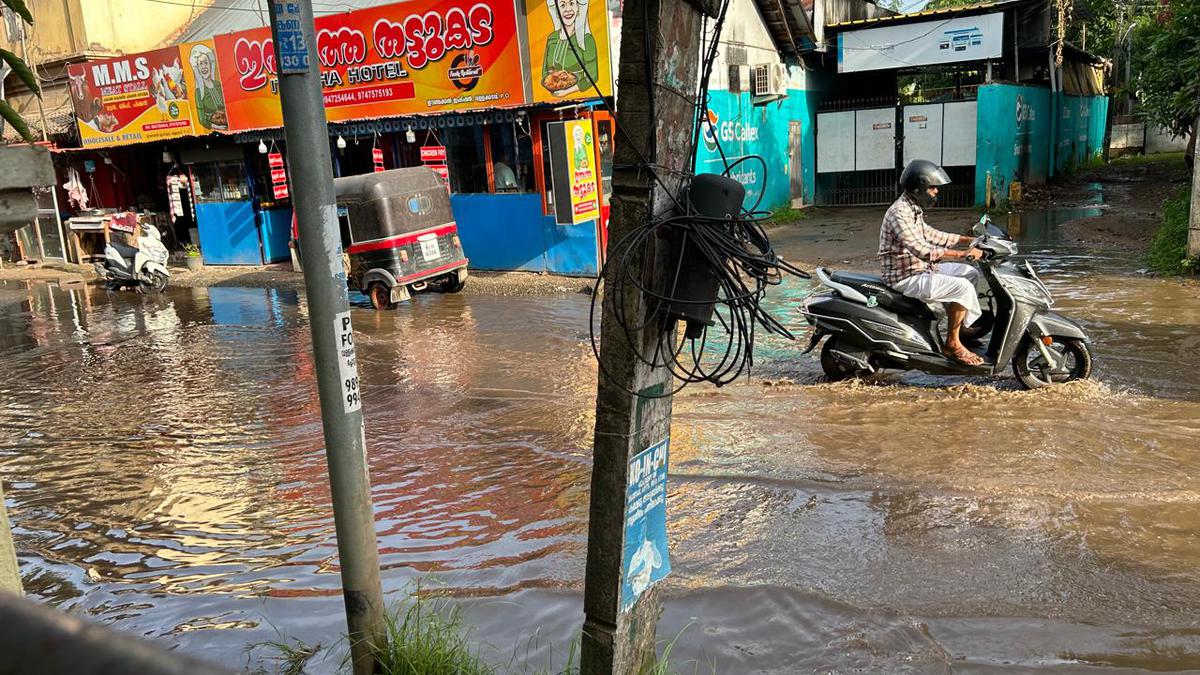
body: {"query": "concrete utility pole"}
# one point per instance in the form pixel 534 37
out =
pixel 10 575
pixel 307 135
pixel 25 167
pixel 1193 249
pixel 658 118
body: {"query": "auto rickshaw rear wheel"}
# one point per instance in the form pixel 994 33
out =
pixel 380 295
pixel 453 284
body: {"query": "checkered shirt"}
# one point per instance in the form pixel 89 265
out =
pixel 907 245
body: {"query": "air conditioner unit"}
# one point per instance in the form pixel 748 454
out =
pixel 739 79
pixel 779 79
pixel 760 80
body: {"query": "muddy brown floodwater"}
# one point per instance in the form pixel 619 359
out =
pixel 163 464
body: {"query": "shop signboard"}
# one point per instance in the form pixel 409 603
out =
pixel 569 49
pixel 204 79
pixel 926 43
pixel 573 172
pixel 581 154
pixel 131 99
pixel 421 56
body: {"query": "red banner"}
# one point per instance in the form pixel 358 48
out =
pixel 281 191
pixel 422 56
pixel 275 159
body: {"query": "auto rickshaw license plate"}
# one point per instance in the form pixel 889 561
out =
pixel 430 249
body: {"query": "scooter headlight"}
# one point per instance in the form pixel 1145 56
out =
pixel 1032 290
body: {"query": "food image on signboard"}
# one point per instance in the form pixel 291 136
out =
pixel 210 101
pixel 571 59
pixel 167 86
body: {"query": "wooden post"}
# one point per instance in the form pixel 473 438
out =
pixel 658 119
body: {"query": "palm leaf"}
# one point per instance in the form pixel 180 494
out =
pixel 21 70
pixel 19 7
pixel 15 120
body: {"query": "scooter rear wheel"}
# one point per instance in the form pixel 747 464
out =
pixel 835 370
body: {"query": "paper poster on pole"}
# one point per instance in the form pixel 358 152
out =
pixel 645 559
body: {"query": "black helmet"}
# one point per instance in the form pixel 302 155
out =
pixel 919 175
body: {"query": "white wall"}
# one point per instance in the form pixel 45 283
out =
pixel 745 29
pixel 1160 140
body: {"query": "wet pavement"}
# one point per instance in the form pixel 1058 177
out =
pixel 163 468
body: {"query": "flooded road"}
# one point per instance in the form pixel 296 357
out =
pixel 164 470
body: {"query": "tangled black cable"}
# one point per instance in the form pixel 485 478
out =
pixel 735 251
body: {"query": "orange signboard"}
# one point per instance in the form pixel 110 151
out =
pixel 422 56
pixel 131 99
pixel 569 49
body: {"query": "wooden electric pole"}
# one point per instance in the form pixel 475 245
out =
pixel 659 74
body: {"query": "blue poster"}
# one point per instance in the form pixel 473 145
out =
pixel 289 38
pixel 645 560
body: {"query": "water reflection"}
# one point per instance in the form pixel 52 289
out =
pixel 171 446
pixel 164 464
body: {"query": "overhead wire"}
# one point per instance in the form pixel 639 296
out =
pixel 735 250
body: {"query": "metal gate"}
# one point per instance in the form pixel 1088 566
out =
pixel 861 152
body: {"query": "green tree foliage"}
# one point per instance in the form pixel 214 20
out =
pixel 21 70
pixel 1167 63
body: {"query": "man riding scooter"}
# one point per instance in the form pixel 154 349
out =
pixel 912 257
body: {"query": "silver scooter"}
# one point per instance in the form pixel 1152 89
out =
pixel 143 268
pixel 871 327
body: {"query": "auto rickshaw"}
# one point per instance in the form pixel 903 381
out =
pixel 399 234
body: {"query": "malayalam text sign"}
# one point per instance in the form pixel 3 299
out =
pixel 422 56
pixel 585 192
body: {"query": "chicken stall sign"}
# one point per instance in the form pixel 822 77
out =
pixel 422 56
pixel 132 99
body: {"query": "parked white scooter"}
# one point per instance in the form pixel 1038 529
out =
pixel 143 268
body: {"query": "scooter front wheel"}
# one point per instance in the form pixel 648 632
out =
pixel 1032 371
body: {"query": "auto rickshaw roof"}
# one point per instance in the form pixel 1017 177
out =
pixel 390 183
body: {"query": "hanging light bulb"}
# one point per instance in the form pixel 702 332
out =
pixel 166 156
pixel 341 142
pixel 262 147
pixel 410 136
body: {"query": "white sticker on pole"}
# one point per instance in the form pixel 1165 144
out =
pixel 347 361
